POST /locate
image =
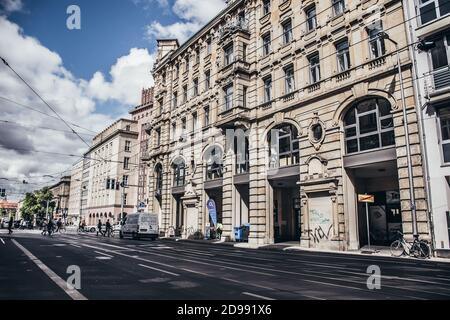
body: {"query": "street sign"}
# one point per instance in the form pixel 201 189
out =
pixel 367 198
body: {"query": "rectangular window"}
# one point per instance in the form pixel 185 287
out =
pixel 228 91
pixel 244 97
pixel 311 18
pixel 289 79
pixel 125 180
pixel 194 121
pixel 208 46
pixel 197 56
pixel 228 53
pixel 376 43
pixel 444 121
pixel 186 64
pixel 287 32
pixel 267 89
pixel 175 99
pixel 207 80
pixel 158 136
pixel 343 56
pixel 161 105
pixel 177 70
pixel 125 199
pixel 126 163
pixel 207 120
pixel 430 10
pixel 314 68
pixel 173 131
pixel 440 56
pixel 266 7
pixel 244 52
pixel 185 95
pixel 127 146
pixel 266 44
pixel 195 89
pixel 338 7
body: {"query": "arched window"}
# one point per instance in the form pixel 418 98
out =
pixel 284 147
pixel 241 152
pixel 214 163
pixel 179 172
pixel 159 180
pixel 369 125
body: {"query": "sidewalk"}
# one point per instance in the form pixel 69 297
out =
pixel 292 246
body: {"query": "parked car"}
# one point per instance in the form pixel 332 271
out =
pixel 90 228
pixel 140 225
pixel 4 223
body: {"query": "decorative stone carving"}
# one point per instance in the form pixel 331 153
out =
pixel 316 132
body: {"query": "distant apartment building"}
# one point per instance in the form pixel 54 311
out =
pixel 429 23
pixel 141 114
pixel 312 96
pixel 112 160
pixel 76 176
pixel 61 194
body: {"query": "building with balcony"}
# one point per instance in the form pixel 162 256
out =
pixel 61 194
pixel 429 22
pixel 141 114
pixel 278 113
pixel 112 159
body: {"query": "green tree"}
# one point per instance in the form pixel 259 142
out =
pixel 35 204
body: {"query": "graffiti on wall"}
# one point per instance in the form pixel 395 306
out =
pixel 320 222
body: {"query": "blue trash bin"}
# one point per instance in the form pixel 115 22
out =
pixel 238 234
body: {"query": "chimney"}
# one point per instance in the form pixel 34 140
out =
pixel 166 46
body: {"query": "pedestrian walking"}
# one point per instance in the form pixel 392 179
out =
pixel 50 227
pixel 108 228
pixel 219 231
pixel 10 225
pixel 99 228
pixel 58 225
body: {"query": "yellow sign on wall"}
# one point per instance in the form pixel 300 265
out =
pixel 370 198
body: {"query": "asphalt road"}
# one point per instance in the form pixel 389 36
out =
pixel 35 267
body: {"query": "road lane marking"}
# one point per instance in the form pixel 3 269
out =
pixel 160 270
pixel 2 241
pixel 73 293
pixel 104 254
pixel 256 296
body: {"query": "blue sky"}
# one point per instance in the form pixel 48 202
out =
pixel 109 28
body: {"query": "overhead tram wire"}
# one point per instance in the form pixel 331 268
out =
pixel 44 113
pixel 43 128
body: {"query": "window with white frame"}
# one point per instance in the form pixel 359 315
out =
pixel 314 68
pixel 125 180
pixel 311 18
pixel 430 10
pixel 126 163
pixel 289 82
pixel 228 92
pixel 268 89
pixel 208 46
pixel 228 54
pixel 369 125
pixel 376 43
pixel 214 163
pixel 266 43
pixel 287 31
pixel 185 93
pixel 194 121
pixel 343 55
pixel 195 89
pixel 175 99
pixel 206 116
pixel 127 146
pixel 444 122
pixel 284 146
pixel 338 7
pixel 207 79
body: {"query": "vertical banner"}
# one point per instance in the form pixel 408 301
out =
pixel 212 211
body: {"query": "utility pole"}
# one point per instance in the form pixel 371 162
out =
pixel 46 211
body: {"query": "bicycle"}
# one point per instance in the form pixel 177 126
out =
pixel 417 249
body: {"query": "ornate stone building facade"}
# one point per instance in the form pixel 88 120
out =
pixel 312 96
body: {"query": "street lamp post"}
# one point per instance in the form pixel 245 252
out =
pixel 384 35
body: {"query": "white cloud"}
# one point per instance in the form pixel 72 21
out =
pixel 10 5
pixel 129 74
pixel 193 13
pixel 73 98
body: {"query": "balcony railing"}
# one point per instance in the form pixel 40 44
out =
pixel 437 80
pixel 234 25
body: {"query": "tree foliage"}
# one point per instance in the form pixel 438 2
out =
pixel 35 204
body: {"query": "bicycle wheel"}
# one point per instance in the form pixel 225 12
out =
pixel 397 249
pixel 421 250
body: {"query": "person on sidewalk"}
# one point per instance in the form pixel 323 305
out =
pixel 219 231
pixel 50 227
pixel 108 228
pixel 10 225
pixel 99 228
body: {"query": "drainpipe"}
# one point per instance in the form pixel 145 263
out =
pixel 422 134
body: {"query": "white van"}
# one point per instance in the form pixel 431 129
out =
pixel 140 225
